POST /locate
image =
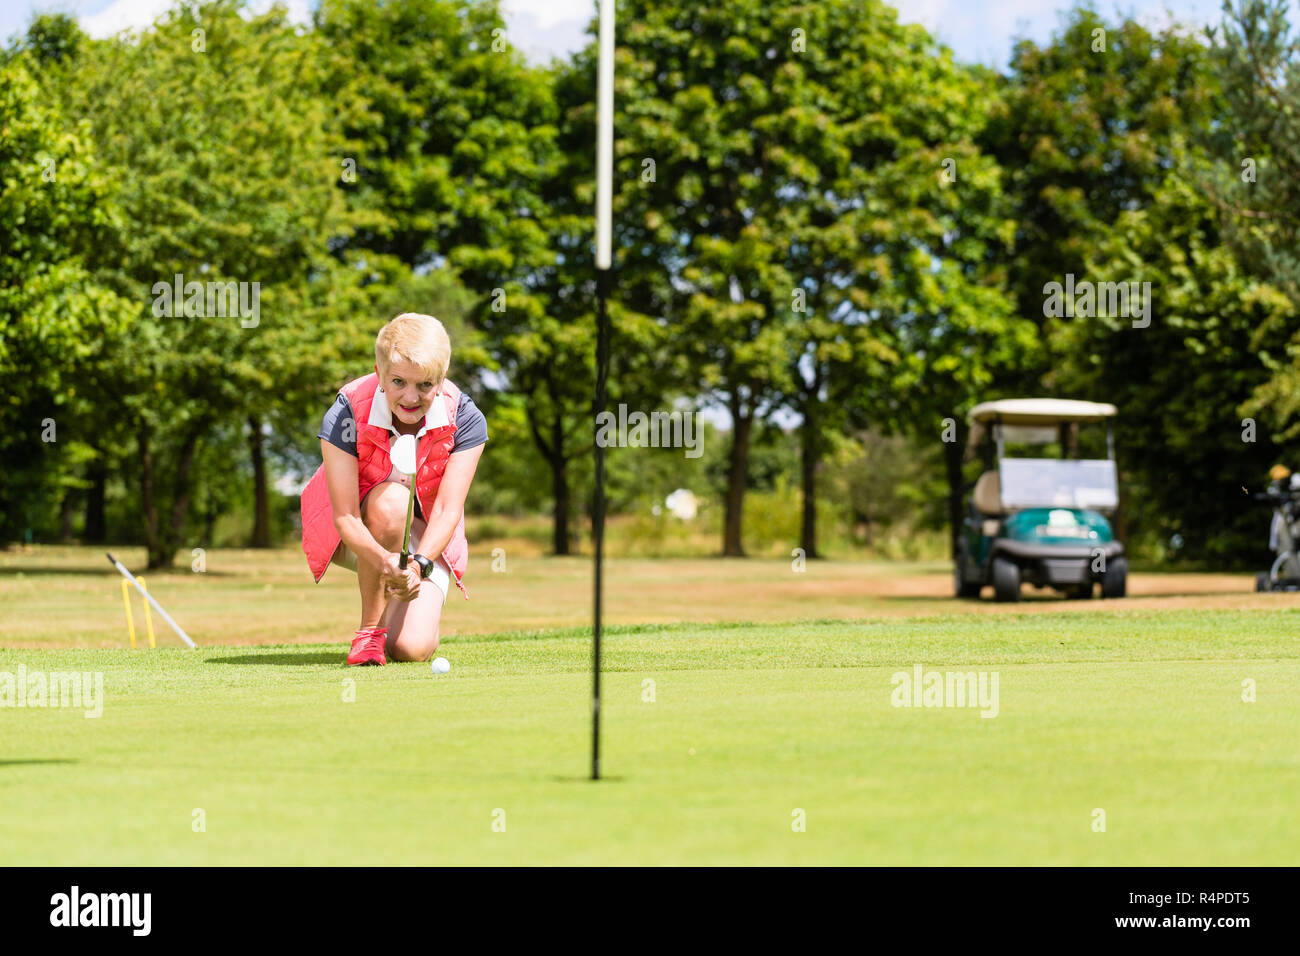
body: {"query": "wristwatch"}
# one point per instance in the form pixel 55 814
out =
pixel 426 566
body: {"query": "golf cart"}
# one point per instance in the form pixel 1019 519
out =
pixel 1284 534
pixel 1041 520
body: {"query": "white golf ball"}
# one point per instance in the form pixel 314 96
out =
pixel 440 665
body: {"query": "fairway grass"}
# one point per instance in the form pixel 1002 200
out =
pixel 1135 712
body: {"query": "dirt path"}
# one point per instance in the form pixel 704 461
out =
pixel 829 592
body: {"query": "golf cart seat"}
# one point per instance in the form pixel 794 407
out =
pixel 987 497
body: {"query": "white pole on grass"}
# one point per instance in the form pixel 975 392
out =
pixel 149 597
pixel 604 263
pixel 605 138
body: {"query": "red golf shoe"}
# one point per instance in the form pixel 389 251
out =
pixel 368 646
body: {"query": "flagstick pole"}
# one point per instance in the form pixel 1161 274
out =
pixel 598 511
pixel 604 206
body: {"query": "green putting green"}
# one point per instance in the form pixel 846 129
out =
pixel 765 743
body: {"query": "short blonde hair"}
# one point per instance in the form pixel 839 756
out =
pixel 415 338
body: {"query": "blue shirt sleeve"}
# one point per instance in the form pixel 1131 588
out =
pixel 339 428
pixel 471 425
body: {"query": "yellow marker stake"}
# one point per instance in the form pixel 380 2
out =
pixel 148 617
pixel 130 618
pixel 152 603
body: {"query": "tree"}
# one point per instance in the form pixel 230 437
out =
pixel 1085 129
pixel 221 150
pixel 1185 454
pixel 800 207
pixel 456 163
pixel 696 110
pixel 896 239
pixel 1088 131
pixel 1257 183
pixel 53 213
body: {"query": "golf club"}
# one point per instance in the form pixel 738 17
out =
pixel 149 597
pixel 403 455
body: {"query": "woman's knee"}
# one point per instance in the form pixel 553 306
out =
pixel 385 513
pixel 410 647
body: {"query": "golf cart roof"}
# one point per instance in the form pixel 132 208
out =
pixel 1040 411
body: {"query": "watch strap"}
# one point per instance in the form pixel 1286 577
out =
pixel 426 566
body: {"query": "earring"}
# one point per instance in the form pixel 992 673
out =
pixel 381 389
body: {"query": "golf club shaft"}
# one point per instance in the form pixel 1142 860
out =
pixel 149 597
pixel 406 536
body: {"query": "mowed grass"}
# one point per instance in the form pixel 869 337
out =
pixel 72 597
pixel 1140 715
pixel 718 737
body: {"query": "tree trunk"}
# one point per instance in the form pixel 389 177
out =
pixel 163 540
pixel 180 498
pixel 66 509
pixel 261 504
pixel 559 488
pixel 952 453
pixel 810 453
pixel 148 506
pixel 737 474
pixel 553 452
pixel 210 516
pixel 95 531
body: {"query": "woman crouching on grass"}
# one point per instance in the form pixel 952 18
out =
pixel 354 507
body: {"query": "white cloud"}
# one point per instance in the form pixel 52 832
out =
pixel 123 15
pixel 541 29
pixel 983 32
pixel 138 14
pixel 548 13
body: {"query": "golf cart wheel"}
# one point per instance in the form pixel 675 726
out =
pixel 1114 580
pixel 1262 582
pixel 962 587
pixel 1006 580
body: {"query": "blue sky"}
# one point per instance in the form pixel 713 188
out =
pixel 977 30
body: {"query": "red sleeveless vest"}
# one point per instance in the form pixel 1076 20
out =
pixel 320 538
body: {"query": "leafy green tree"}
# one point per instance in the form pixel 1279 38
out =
pixel 1186 455
pixel 454 139
pixel 549 361
pixel 1086 128
pixel 52 40
pixel 1258 181
pixel 903 242
pixel 800 209
pixel 52 309
pixel 225 166
pixel 1098 133
pixel 693 99
pixel 448 127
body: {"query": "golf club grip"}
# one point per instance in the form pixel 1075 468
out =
pixel 401 562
